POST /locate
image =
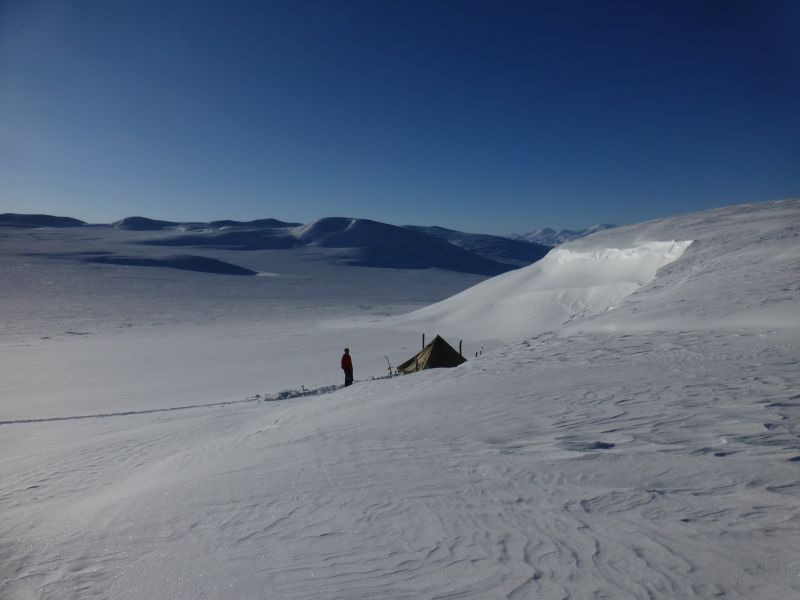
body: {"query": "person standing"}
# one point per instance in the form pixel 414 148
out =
pixel 347 367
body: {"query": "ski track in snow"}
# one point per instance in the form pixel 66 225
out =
pixel 284 395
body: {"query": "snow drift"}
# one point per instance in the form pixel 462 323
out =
pixel 725 267
pixel 565 286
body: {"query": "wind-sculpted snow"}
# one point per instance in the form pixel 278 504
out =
pixel 729 267
pixel 654 465
pixel 743 269
pixel 565 286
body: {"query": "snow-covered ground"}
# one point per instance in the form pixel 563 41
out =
pixel 641 441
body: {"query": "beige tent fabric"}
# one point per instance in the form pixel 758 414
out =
pixel 435 355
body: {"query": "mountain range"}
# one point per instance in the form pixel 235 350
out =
pixel 358 242
pixel 552 237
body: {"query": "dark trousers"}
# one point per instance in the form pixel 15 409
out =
pixel 348 376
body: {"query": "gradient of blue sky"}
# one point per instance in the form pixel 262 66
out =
pixel 483 116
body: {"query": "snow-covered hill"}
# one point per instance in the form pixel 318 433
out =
pixel 145 224
pixel 564 287
pixel 361 242
pixel 372 244
pixel 36 221
pixel 646 448
pixel 748 255
pixel 383 245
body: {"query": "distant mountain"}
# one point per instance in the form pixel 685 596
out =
pixel 268 223
pixel 383 245
pixel 502 249
pixel 32 221
pixel 551 237
pixel 374 244
pixel 264 234
pixel 367 243
pixel 145 224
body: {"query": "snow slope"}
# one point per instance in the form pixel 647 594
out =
pixel 648 451
pixel 564 286
pixel 632 276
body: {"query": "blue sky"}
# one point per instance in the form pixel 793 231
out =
pixel 484 116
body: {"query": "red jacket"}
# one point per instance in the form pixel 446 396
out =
pixel 347 362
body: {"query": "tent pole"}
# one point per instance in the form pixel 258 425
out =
pixel 423 340
pixel 459 348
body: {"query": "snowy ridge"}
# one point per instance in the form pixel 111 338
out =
pixel 563 287
pixel 741 269
pixel 355 242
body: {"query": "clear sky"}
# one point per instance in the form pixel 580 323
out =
pixel 488 116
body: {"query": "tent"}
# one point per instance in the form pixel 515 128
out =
pixel 436 354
